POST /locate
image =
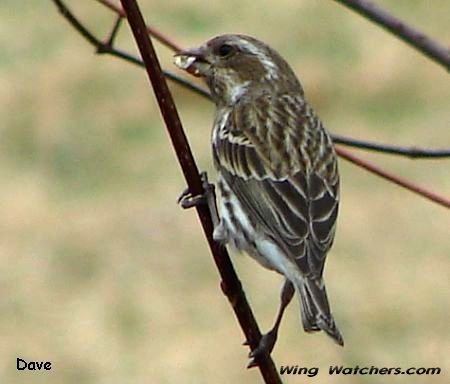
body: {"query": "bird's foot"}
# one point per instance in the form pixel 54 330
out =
pixel 264 348
pixel 187 200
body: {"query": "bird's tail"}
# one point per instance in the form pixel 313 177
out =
pixel 315 310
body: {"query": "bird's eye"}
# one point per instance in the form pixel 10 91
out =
pixel 225 50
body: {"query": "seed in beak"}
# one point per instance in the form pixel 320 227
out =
pixel 184 61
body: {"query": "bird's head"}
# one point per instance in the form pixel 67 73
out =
pixel 235 65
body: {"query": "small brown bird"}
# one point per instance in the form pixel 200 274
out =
pixel 278 179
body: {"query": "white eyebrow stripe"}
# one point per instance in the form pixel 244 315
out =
pixel 268 64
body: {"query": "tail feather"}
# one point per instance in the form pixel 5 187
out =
pixel 315 310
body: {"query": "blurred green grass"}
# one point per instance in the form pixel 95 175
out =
pixel 105 276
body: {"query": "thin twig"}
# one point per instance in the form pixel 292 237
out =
pixel 163 39
pixel 114 31
pixel 70 17
pixel 230 282
pixel 402 30
pixel 411 152
pixel 105 47
pixel 430 195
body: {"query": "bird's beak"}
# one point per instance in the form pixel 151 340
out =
pixel 193 60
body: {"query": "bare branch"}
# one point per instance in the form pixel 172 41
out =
pixel 114 32
pixel 69 16
pixel 430 195
pixel 412 152
pixel 163 39
pixel 108 47
pixel 402 30
pixel 230 282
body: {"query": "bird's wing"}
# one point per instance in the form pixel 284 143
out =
pixel 278 160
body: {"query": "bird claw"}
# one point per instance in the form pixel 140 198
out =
pixel 186 200
pixel 252 363
pixel 264 348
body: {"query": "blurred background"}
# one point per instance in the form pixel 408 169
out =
pixel 104 275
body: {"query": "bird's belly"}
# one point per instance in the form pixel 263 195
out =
pixel 238 231
pixel 235 227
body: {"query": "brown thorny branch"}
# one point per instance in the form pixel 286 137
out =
pixel 230 283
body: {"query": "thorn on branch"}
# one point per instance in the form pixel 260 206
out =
pixel 108 45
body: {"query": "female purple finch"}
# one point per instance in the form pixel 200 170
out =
pixel 278 179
